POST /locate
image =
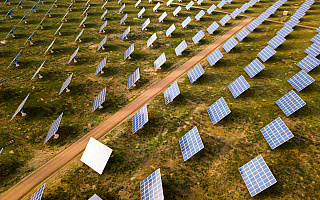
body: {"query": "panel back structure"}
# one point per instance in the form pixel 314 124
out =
pixel 198 37
pixel 190 143
pixel 214 57
pixel 238 86
pixel 133 78
pixel 139 119
pixel 242 34
pixel 38 194
pixel 171 93
pixel 308 63
pixel 180 48
pixel 151 187
pixel 225 20
pixel 98 101
pixel 254 68
pixel 290 103
pixel 195 73
pixel 301 80
pixel 189 5
pixel 20 108
pixel 266 53
pixel 159 62
pixel 230 44
pixel 53 128
pixel 212 27
pixel 218 110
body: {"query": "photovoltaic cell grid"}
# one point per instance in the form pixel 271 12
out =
pixel 99 99
pixel 242 34
pixel 211 9
pixel 199 15
pixel 212 27
pixel 290 103
pixel 103 41
pixel 254 24
pixel 214 57
pixel 15 59
pixel 151 187
pixel 238 86
pixel 122 7
pixel 156 7
pixel 266 53
pixel 276 133
pixel 221 4
pixel 164 15
pixel 133 78
pixel 225 20
pixel 125 33
pixel 257 175
pixel 308 63
pixel 292 23
pixel 189 5
pixel 74 55
pixel 254 68
pixel 141 12
pixel 139 119
pixel 298 15
pixel 313 50
pixel 316 39
pixel 151 39
pixel 284 31
pixel 170 30
pixel 94 197
pixel 38 194
pixel 128 51
pixel 159 62
pixel 20 107
pixel 180 48
pixel 195 73
pixel 53 128
pixel 318 30
pixel 301 80
pixel 244 7
pixel 190 143
pixel 276 41
pixel 235 13
pixel 101 65
pixel 198 37
pixel 103 26
pixel 218 110
pixel 171 93
pixel 176 11
pixel 122 21
pixel 66 84
pixel 137 4
pixel 186 22
pixel 230 44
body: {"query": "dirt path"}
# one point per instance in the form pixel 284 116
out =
pixel 45 171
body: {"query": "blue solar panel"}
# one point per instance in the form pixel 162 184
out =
pixel 98 101
pixel 190 143
pixel 218 110
pixel 195 73
pixel 53 128
pixel 128 52
pixel 308 63
pixel 238 86
pixel 159 62
pixel 155 8
pixel 225 20
pixel 276 41
pixel 170 30
pixel 318 30
pixel 198 37
pixel 139 119
pixel 20 108
pixel 38 194
pixel 151 187
pixel 24 18
pixel 313 50
pixel 284 31
pixel 257 175
pixel 254 68
pixel 316 39
pixel 212 27
pixel 276 133
pixel 189 5
pixel 244 7
pixel 133 78
pixel 199 15
pixel 186 22
pixel 171 93
pixel 180 48
pixel 292 23
pixel 301 80
pixel 254 24
pixel 101 65
pixel 298 15
pixel 221 4
pixel 11 32
pixel 235 13
pixel 266 53
pixel 214 57
pixel 290 103
pixel 212 8
pixel 103 41
pixel 66 84
pixel 15 60
pixel 242 34
pixel 164 15
pixel 230 44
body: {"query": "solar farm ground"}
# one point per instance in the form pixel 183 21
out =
pixel 210 174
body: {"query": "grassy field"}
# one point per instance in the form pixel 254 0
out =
pixel 210 174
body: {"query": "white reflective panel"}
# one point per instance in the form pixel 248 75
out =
pixel 195 73
pixel 38 70
pixel 122 21
pixel 103 41
pixel 103 16
pixel 242 34
pixel 78 37
pixel 214 57
pixel 230 44
pixel 212 8
pixel 199 15
pixel 189 5
pixel 20 107
pixel 133 78
pixel 221 4
pixel 212 27
pixel 276 41
pixel 141 12
pixel 100 98
pixel 151 187
pixel 151 40
pixel 94 197
pixel 225 20
pixel 176 11
pixel 145 24
pixel 198 37
pixel 266 53
pixel 186 22
pixel 101 65
pixel 74 55
pixel 164 15
pixel 159 62
pixel 53 128
pixel 238 86
pixel 125 33
pixel 103 26
pixel 235 13
pixel 290 103
pixel 122 7
pixel 140 119
pixel 218 110
pixel 50 46
pixel 137 4
pixel 180 48
pixel 254 68
pixel 155 8
pixel 301 80
pixel 170 30
pixel 171 93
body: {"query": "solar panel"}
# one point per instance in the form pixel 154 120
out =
pixel 155 8
pixel 218 110
pixel 103 16
pixel 139 119
pixel 199 2
pixel 96 155
pixel 9 13
pixel 53 128
pixel 101 65
pixel 98 101
pixel 266 53
pixel 78 37
pixel 73 56
pixel 20 4
pixel 58 30
pixel 225 20
pixel 313 50
pixel 104 5
pixel 298 15
pixel 64 19
pixel 133 78
pixel 38 71
pixel 103 41
pixel 122 7
pixel 257 175
pixel 254 24
pixel 1 151
pixel 151 40
pixel 164 15
pixel 122 21
pixel 308 63
pixel 103 26
pixel 69 8
pixel 141 12
pixel 292 23
pixel 40 24
pixel 145 24
pixel 159 62
pixel 242 34
pixel 195 73
pixel 180 48
pixel 276 41
pixel 85 12
pixel 125 33
pixel 48 12
pixel 171 93
pixel 301 80
pixel 38 194
pixel 20 108
pixel 318 30
pixel 88 3
pixel 198 37
pixel 189 5
pixel 199 15
pixel 190 143
pixel 83 21
pixel 50 46
pixel 24 18
pixel 221 4
pixel 290 103
pixel 170 30
pixel 254 68
pixel 230 44
pixel 119 2
pixel 212 8
pixel 169 2
pixel 66 84
pixel 128 52
pixel 151 187
pixel 137 4
pixel 30 38
pixel 150 1
pixel 316 39
pixel 176 11
pixel 235 13
pixel 214 57
pixel 15 60
pixel 186 22
pixel 238 86
pixel 95 197
pixel 244 7
pixel 212 27
pixel 284 31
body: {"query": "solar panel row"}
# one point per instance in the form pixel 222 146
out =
pixel 218 110
pixel 242 34
pixel 266 53
pixel 301 80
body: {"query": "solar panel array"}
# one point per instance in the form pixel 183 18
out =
pixel 308 63
pixel 301 80
pixel 53 128
pixel 266 53
pixel 128 52
pixel 313 50
pixel 186 22
pixel 212 27
pixel 145 24
pixel 290 103
pixel 125 33
pixel 190 143
pixel 171 93
pixel 254 24
pixel 139 119
pixel 221 4
pixel 38 194
pixel 199 15
pixel 242 34
pixel 20 107
pixel 141 12
pixel 159 62
pixel 276 133
pixel 218 110
pixel 254 68
pixel 257 175
pixel 180 48
pixel 155 8
pixel 195 73
pixel 103 41
pixel 133 78
pixel 176 11
pixel 225 20
pixel 238 86
pixel 151 40
pixel 101 65
pixel 161 18
pixel 316 39
pixel 189 5
pixel 292 23
pixel 74 55
pixel 98 101
pixel 170 30
pixel 276 41
pixel 284 31
pixel 230 44
pixel 151 187
pixel 214 57
pixel 198 37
